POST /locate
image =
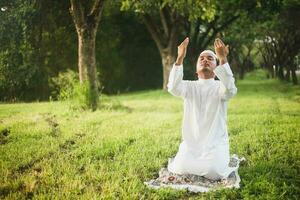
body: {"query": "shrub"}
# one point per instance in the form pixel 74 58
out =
pixel 66 87
pixel 62 86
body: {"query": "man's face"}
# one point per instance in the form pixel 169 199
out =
pixel 206 62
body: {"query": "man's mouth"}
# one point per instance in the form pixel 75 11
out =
pixel 206 67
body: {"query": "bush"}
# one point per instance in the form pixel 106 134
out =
pixel 62 86
pixel 80 98
pixel 66 87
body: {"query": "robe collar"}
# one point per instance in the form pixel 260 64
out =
pixel 206 81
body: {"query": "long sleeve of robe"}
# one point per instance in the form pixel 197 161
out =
pixel 204 149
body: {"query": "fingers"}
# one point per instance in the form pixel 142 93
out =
pixel 218 43
pixel 182 48
pixel 185 42
pixel 221 42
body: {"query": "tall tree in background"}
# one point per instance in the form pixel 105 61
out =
pixel 281 42
pixel 164 21
pixel 22 50
pixel 33 54
pixel 201 20
pixel 243 47
pixel 86 16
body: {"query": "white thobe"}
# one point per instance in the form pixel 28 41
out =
pixel 204 149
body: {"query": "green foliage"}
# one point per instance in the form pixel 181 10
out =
pixel 66 87
pixel 127 58
pixel 81 100
pixel 63 85
pixel 81 96
pixel 280 40
pixel 32 47
pixel 39 41
pixel 192 9
pixel 18 72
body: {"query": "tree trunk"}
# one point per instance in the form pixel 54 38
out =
pixel 294 76
pixel 280 73
pixel 273 71
pixel 86 21
pixel 87 64
pixel 165 38
pixel 82 62
pixel 288 74
pixel 167 61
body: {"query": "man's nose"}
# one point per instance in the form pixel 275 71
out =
pixel 205 60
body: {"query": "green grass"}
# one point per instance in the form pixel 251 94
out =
pixel 54 152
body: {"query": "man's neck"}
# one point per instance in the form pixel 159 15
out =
pixel 206 75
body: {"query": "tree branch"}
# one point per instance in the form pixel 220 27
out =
pixel 154 31
pixel 193 30
pixel 96 11
pixel 164 21
pixel 220 28
pixel 77 13
pixel 200 39
pixel 172 40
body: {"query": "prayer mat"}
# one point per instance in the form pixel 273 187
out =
pixel 195 183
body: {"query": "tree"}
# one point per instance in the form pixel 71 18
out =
pixel 86 18
pixel 33 35
pixel 282 41
pixel 163 20
pixel 125 68
pixel 243 47
pixel 19 58
pixel 167 21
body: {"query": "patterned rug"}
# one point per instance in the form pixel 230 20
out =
pixel 195 183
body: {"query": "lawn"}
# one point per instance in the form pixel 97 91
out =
pixel 49 150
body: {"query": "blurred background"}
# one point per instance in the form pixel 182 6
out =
pixel 136 43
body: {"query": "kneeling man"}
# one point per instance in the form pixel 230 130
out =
pixel 204 149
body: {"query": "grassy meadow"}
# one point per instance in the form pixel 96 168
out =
pixel 49 150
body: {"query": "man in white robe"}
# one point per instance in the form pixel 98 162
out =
pixel 204 149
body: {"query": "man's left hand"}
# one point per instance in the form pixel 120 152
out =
pixel 221 50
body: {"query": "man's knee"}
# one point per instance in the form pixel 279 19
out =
pixel 213 173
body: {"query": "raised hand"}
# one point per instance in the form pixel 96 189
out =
pixel 221 50
pixel 181 51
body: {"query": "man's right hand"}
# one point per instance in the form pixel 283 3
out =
pixel 181 52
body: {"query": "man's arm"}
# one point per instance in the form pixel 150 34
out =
pixel 223 71
pixel 176 85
